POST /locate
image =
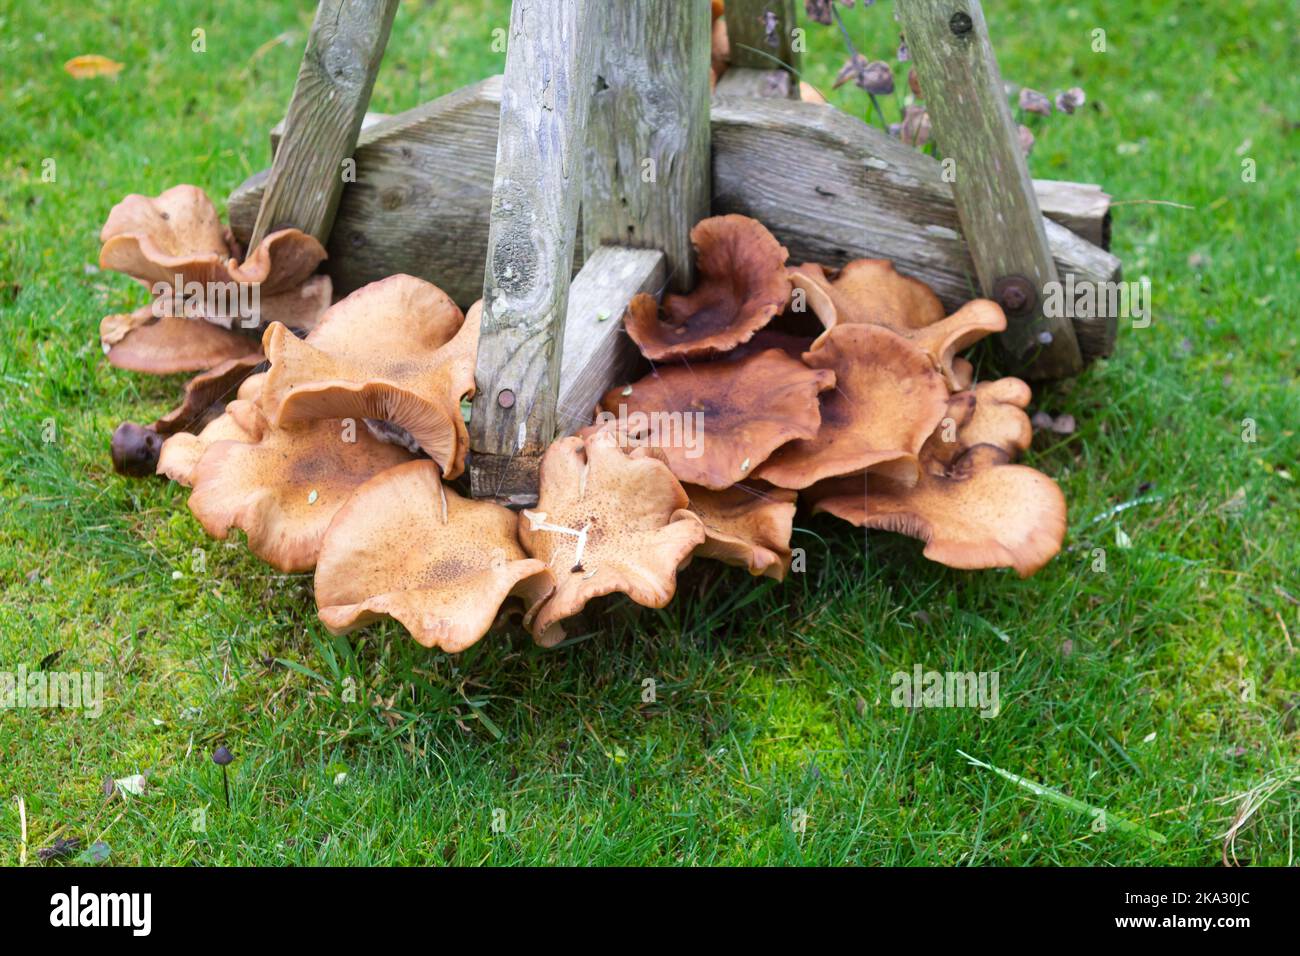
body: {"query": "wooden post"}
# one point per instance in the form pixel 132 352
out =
pixel 761 36
pixel 999 214
pixel 545 100
pixel 329 101
pixel 647 155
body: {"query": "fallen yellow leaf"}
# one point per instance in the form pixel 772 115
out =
pixel 91 65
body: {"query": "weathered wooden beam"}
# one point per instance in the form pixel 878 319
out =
pixel 545 100
pixel 828 185
pixel 422 197
pixel 647 152
pixel 597 352
pixel 1082 208
pixel 761 36
pixel 976 135
pixel 772 84
pixel 338 71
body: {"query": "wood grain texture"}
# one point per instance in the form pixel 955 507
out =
pixel 421 201
pixel 761 36
pixel 329 101
pixel 828 185
pixel 369 119
pixel 545 100
pixel 597 351
pixel 647 150
pixel 1080 207
pixel 772 84
pixel 832 189
pixel 972 123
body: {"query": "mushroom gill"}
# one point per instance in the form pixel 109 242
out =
pixel 742 285
pixel 605 522
pixel 397 350
pixel 408 548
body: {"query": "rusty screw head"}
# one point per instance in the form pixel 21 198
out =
pixel 506 398
pixel 1015 294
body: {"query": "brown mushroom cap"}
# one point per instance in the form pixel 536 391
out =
pixel 742 284
pixel 178 232
pixel 886 401
pixel 979 512
pixel 140 343
pixel 135 449
pixel 240 422
pixel 397 350
pixel 283 491
pixel 606 522
pixel 990 414
pixel 746 526
pixel 868 291
pixel 712 423
pixel 213 387
pixel 152 238
pixel 406 547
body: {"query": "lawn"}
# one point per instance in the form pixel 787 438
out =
pixel 1163 690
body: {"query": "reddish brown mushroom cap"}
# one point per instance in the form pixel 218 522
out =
pixel 886 401
pixel 605 522
pixel 742 284
pixel 746 526
pixel 868 291
pixel 979 512
pixel 406 547
pixel 397 350
pixel 990 414
pixel 138 342
pixel 713 423
pixel 283 491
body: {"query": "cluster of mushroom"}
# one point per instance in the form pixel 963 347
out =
pixel 343 455
pixel 209 305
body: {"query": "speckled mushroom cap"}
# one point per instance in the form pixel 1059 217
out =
pixel 283 490
pixel 746 526
pixel 397 350
pixel 979 512
pixel 713 423
pixel 406 547
pixel 742 284
pixel 886 401
pixel 605 522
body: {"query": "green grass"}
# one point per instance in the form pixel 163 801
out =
pixel 1120 689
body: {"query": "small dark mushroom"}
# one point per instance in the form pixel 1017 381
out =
pixel 135 450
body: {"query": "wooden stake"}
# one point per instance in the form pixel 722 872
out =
pixel 647 155
pixel 977 139
pixel 329 101
pixel 545 100
pixel 761 34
